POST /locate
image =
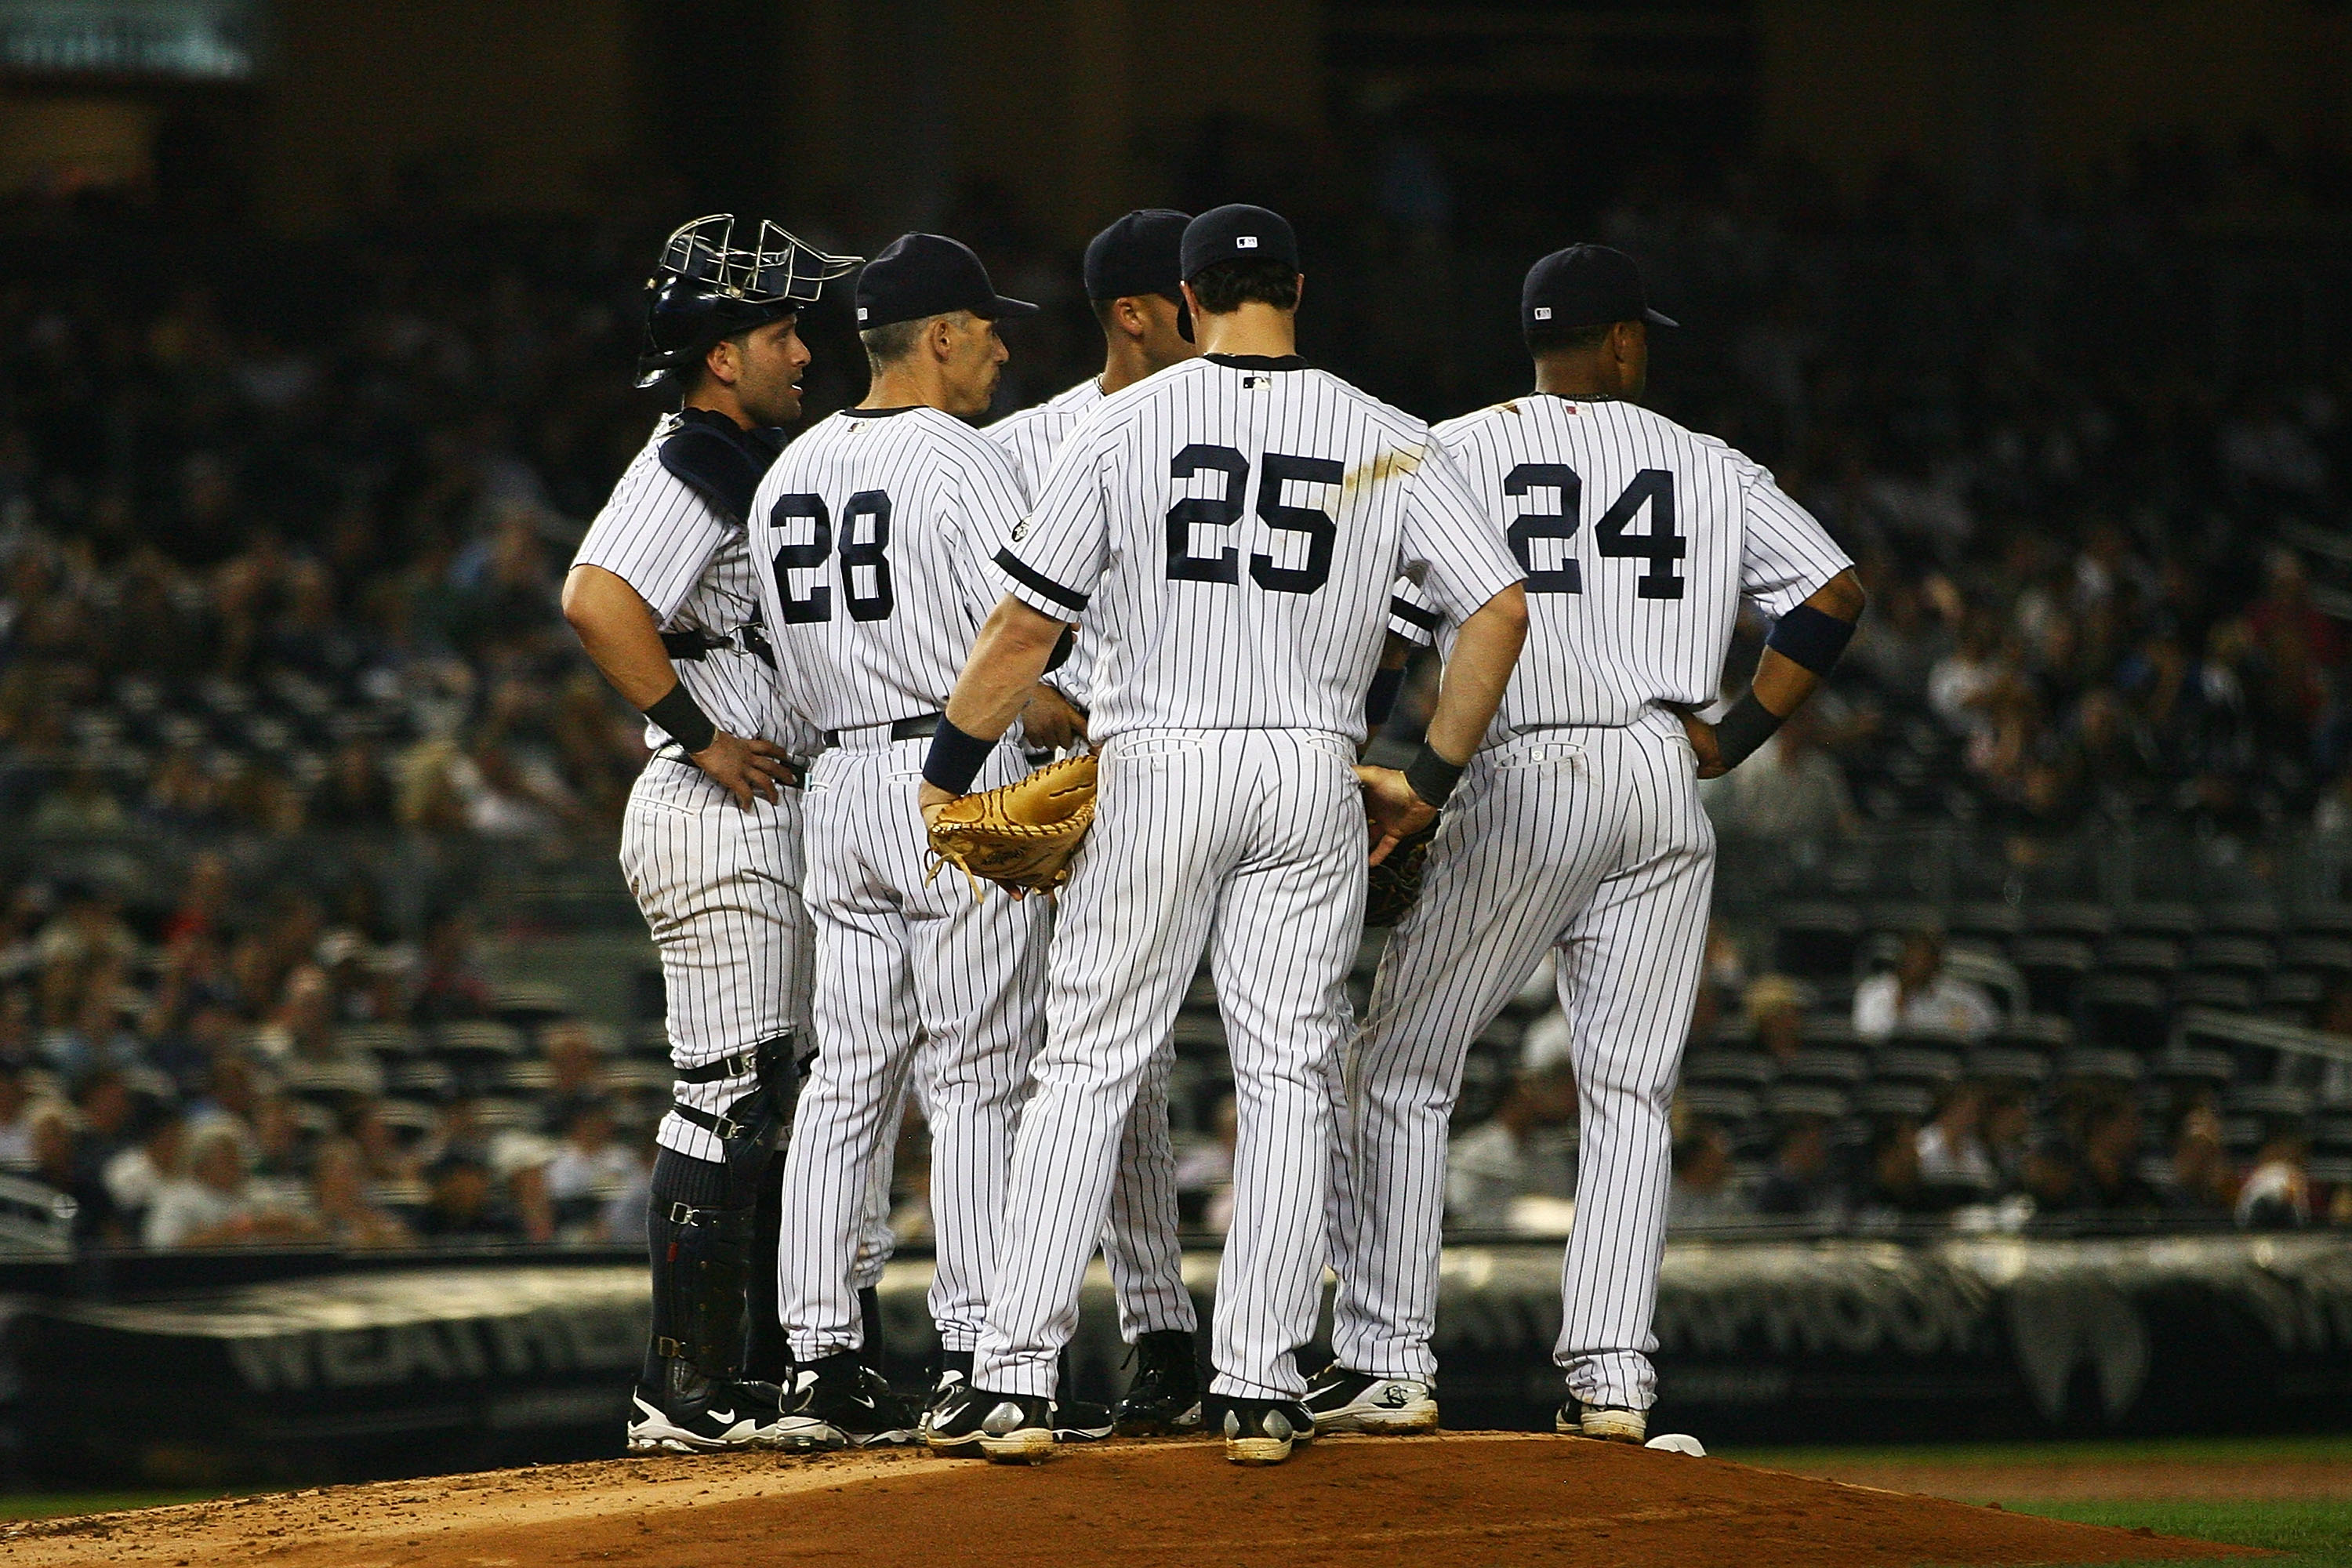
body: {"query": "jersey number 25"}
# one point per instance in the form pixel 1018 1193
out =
pixel 1224 510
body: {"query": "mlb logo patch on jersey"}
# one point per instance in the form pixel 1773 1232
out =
pixel 1252 382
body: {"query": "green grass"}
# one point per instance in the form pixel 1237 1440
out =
pixel 52 1505
pixel 2317 1532
pixel 2099 1452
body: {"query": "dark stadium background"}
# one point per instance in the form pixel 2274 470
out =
pixel 316 324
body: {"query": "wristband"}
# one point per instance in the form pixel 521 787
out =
pixel 1747 726
pixel 1432 778
pixel 1810 637
pixel 1381 701
pixel 955 758
pixel 683 720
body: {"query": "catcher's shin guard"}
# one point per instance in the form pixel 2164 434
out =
pixel 767 1354
pixel 698 1229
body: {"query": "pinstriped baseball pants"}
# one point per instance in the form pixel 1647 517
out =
pixel 1248 843
pixel 1590 840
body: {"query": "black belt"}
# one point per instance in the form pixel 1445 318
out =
pixel 742 1064
pixel 694 644
pixel 720 1127
pixel 900 730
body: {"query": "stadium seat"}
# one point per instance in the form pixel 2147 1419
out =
pixel 1820 1065
pixel 2231 992
pixel 2099 1066
pixel 1747 1069
pixel 1790 1099
pixel 1815 942
pixel 2275 1102
pixel 1720 1102
pixel 2252 957
pixel 2136 954
pixel 2243 918
pixel 530 1001
pixel 2126 1011
pixel 1987 921
pixel 2078 919
pixel 2293 997
pixel 422 1077
pixel 2191 1063
pixel 1911 1062
pixel 1895 1101
pixel 2309 953
pixel 2159 918
pixel 385 1042
pixel 477 1040
pixel 2009 1065
pixel 2053 968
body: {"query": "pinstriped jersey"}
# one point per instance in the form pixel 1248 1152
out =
pixel 1032 436
pixel 1639 539
pixel 872 535
pixel 1228 531
pixel 690 566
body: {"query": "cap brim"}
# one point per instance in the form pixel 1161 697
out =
pixel 1003 309
pixel 1659 319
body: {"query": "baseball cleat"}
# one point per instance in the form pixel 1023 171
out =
pixel 1345 1401
pixel 1013 1429
pixel 952 1424
pixel 1609 1423
pixel 1081 1421
pixel 723 1415
pixel 1165 1398
pixel 1264 1431
pixel 839 1403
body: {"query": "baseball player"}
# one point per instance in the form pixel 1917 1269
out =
pixel 1131 281
pixel 662 596
pixel 873 532
pixel 1229 531
pixel 1577 829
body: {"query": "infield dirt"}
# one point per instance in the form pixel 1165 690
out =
pixel 1461 1499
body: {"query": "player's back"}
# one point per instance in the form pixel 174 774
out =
pixel 1253 517
pixel 870 535
pixel 1032 436
pixel 1639 539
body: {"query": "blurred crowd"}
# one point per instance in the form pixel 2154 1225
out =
pixel 235 1068
pixel 281 529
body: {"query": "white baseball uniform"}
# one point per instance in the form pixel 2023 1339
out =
pixel 875 530
pixel 719 885
pixel 1576 826
pixel 1139 1245
pixel 1229 529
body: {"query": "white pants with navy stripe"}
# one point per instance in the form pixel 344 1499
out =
pixel 720 889
pixel 1590 841
pixel 1249 843
pixel 902 962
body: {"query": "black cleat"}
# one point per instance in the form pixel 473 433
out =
pixel 1081 1421
pixel 838 1403
pixel 1165 1398
pixel 1264 1431
pixel 705 1416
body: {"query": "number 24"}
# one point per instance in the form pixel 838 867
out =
pixel 1661 547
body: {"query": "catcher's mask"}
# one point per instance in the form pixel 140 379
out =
pixel 705 288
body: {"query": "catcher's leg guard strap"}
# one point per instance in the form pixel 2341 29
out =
pixel 699 1245
pixel 750 1127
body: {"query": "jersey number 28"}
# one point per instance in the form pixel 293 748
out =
pixel 1661 546
pixel 867 511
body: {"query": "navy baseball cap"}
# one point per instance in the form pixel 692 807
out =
pixel 1585 286
pixel 1237 233
pixel 924 275
pixel 1137 255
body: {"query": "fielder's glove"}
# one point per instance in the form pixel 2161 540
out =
pixel 1391 886
pixel 1020 836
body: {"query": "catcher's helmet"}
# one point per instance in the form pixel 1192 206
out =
pixel 704 288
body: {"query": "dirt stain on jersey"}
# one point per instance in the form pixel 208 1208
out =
pixel 1386 465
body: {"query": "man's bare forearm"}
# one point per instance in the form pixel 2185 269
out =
pixel 1001 674
pixel 1477 674
pixel 618 629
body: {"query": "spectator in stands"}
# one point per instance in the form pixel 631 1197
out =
pixel 1776 1010
pixel 1204 1174
pixel 1703 1194
pixel 1893 1187
pixel 384 1155
pixel 1951 1147
pixel 339 1203
pixel 58 1163
pixel 2277 1192
pixel 2202 1178
pixel 2096 1169
pixel 1804 1182
pixel 16 1108
pixel 464 1203
pixel 575 1063
pixel 211 1203
pixel 1487 1168
pixel 449 982
pixel 589 1167
pixel 157 1155
pixel 1918 995
pixel 1790 792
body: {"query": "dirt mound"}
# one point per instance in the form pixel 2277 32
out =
pixel 1455 1499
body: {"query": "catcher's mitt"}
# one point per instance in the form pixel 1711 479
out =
pixel 1394 884
pixel 1020 836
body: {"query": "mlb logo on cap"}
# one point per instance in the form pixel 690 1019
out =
pixel 1543 312
pixel 1226 233
pixel 861 312
pixel 1245 242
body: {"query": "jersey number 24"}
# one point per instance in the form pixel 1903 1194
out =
pixel 1661 546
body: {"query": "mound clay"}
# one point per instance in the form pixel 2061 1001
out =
pixel 1432 1502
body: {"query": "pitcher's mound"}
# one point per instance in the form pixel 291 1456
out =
pixel 1431 1501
